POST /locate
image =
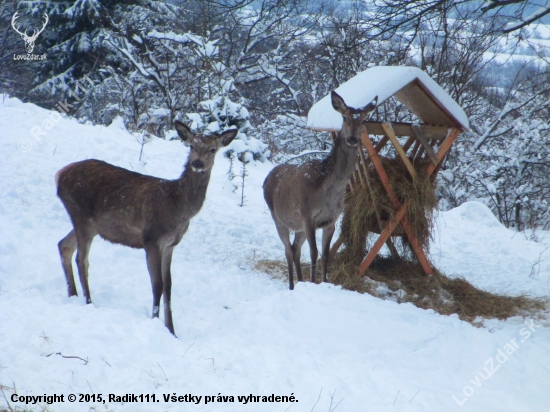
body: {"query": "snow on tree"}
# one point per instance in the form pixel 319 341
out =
pixel 259 66
pixel 220 114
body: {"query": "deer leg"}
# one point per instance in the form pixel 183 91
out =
pixel 284 234
pixel 154 259
pixel 310 236
pixel 67 247
pixel 83 242
pixel 299 239
pixel 327 237
pixel 167 287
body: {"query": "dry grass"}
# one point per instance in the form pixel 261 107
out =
pixel 443 294
pixel 363 203
pixel 275 268
pixel 278 269
pixel 405 281
pixel 17 408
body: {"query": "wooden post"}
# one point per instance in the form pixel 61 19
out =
pixel 389 242
pixel 389 132
pixel 443 149
pixel 429 150
pixel 420 145
pixel 415 148
pixel 384 236
pixel 415 244
pixel 409 143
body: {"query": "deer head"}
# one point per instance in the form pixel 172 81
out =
pixel 203 148
pixel 29 40
pixel 353 118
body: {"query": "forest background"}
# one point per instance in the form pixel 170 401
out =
pixel 259 65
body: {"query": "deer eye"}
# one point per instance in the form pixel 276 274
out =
pixel 213 151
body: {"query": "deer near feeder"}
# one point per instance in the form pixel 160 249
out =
pixel 391 172
pixel 135 210
pixel 310 196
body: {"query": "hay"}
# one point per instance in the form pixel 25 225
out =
pixel 278 269
pixel 362 204
pixel 405 281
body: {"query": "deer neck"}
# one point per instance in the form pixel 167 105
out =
pixel 340 164
pixel 192 188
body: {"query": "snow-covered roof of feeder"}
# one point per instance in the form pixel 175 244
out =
pixel 410 85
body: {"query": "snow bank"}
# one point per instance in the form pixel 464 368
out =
pixel 476 213
pixel 471 242
pixel 381 81
pixel 240 332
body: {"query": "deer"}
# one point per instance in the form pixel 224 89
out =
pixel 29 40
pixel 135 210
pixel 310 196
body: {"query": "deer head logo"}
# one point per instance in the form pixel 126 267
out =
pixel 29 40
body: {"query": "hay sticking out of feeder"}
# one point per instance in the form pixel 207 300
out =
pixel 361 205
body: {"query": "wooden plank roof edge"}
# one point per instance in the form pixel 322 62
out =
pixel 406 129
pixel 439 104
pixel 401 129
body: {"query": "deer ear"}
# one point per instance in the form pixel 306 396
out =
pixel 228 136
pixel 338 103
pixel 184 132
pixel 369 107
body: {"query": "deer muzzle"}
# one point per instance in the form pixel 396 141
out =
pixel 197 165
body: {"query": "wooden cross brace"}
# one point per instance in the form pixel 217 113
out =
pixel 401 209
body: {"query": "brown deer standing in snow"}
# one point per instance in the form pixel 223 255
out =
pixel 311 196
pixel 135 210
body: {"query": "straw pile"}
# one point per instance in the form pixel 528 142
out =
pixel 362 204
pixel 404 281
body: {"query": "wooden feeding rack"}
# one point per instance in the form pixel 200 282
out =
pixel 441 121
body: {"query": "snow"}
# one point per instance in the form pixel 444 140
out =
pixel 159 112
pixel 381 81
pixel 241 332
pixel 180 38
pixel 534 16
pixel 543 30
pixel 196 121
pixel 118 123
pixel 519 273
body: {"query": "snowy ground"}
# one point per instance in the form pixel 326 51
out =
pixel 241 332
